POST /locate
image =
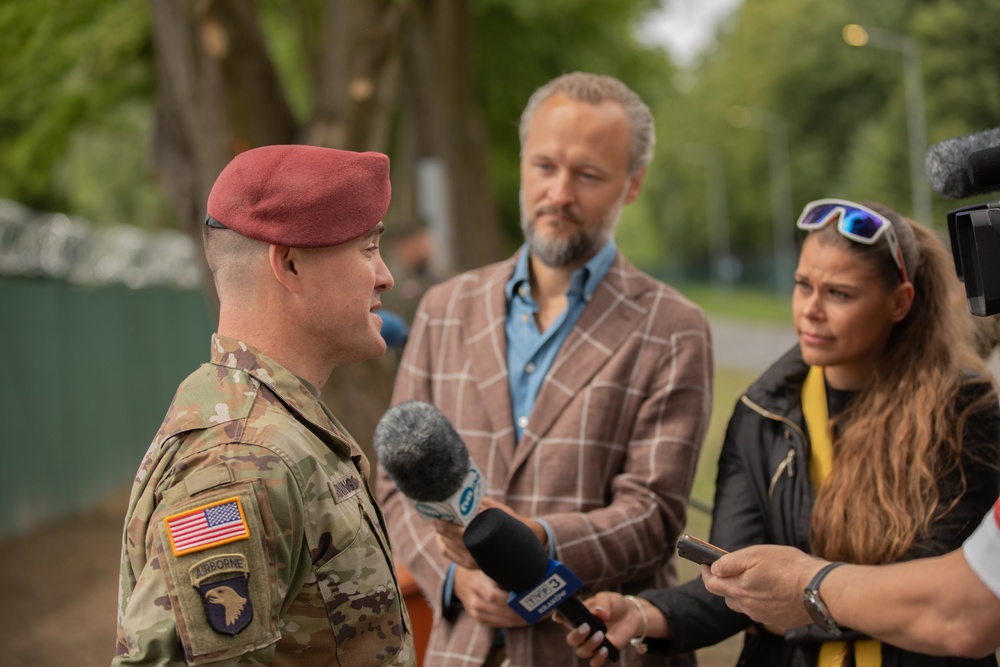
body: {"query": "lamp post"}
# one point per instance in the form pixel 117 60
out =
pixel 781 186
pixel 719 247
pixel 857 35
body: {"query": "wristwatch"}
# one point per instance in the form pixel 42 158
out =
pixel 814 603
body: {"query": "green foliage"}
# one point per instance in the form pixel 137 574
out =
pixel 294 34
pixel 77 86
pixel 844 107
pixel 72 71
pixel 97 174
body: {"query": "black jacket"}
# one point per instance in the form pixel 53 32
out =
pixel 764 495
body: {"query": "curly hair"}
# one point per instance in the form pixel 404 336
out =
pixel 903 432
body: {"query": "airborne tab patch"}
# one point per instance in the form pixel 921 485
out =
pixel 211 525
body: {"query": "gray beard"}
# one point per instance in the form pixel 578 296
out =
pixel 560 253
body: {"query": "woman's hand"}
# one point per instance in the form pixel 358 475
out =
pixel 624 621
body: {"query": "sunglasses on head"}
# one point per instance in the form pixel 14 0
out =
pixel 856 222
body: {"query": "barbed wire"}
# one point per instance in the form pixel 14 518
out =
pixel 54 245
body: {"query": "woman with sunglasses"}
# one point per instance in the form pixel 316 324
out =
pixel 873 440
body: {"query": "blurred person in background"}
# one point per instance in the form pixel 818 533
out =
pixel 872 441
pixel 251 534
pixel 581 386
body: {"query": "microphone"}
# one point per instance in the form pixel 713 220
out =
pixel 965 166
pixel 426 458
pixel 984 167
pixel 509 553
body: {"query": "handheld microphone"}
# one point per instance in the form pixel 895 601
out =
pixel 426 458
pixel 965 166
pixel 509 553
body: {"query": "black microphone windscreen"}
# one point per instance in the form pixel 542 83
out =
pixel 984 168
pixel 421 451
pixel 948 166
pixel 506 550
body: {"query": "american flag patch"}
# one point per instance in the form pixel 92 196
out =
pixel 207 526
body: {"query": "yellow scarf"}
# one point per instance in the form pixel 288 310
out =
pixel 867 653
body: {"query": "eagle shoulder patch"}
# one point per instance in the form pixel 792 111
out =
pixel 223 583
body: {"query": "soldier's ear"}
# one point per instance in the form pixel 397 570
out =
pixel 283 262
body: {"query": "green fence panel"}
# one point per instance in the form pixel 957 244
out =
pixel 86 375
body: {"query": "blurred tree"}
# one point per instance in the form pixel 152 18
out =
pixel 845 107
pixel 391 75
pixel 431 82
pixel 76 80
pixel 219 93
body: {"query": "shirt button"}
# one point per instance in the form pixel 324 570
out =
pixel 522 422
pixel 524 318
pixel 522 290
pixel 530 368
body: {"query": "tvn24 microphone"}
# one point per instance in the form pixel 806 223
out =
pixel 965 166
pixel 509 553
pixel 426 458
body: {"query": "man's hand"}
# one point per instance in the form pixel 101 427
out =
pixel 765 582
pixel 484 600
pixel 449 535
pixel 449 543
pixel 535 526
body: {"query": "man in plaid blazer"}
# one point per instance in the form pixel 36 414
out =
pixel 580 385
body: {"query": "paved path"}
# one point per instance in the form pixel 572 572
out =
pixel 749 347
pixel 754 347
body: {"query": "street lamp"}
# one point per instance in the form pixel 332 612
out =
pixel 857 35
pixel 719 248
pixel 781 186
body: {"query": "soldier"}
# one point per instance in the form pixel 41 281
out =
pixel 251 535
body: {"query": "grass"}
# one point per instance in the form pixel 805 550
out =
pixel 729 386
pixel 745 304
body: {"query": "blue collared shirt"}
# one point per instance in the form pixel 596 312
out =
pixel 530 353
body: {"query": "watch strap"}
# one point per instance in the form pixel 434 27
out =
pixel 814 601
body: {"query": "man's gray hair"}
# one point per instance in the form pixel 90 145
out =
pixel 594 89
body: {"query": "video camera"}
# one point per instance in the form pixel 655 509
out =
pixel 965 167
pixel 975 243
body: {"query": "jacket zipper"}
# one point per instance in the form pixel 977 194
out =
pixel 786 463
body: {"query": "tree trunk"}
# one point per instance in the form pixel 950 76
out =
pixel 217 94
pixel 448 124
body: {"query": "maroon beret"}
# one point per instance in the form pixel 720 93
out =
pixel 301 196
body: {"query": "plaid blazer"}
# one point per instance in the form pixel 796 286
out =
pixel 608 455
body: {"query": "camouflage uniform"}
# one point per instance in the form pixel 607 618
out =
pixel 251 535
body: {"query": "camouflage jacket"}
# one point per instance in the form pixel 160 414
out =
pixel 251 536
